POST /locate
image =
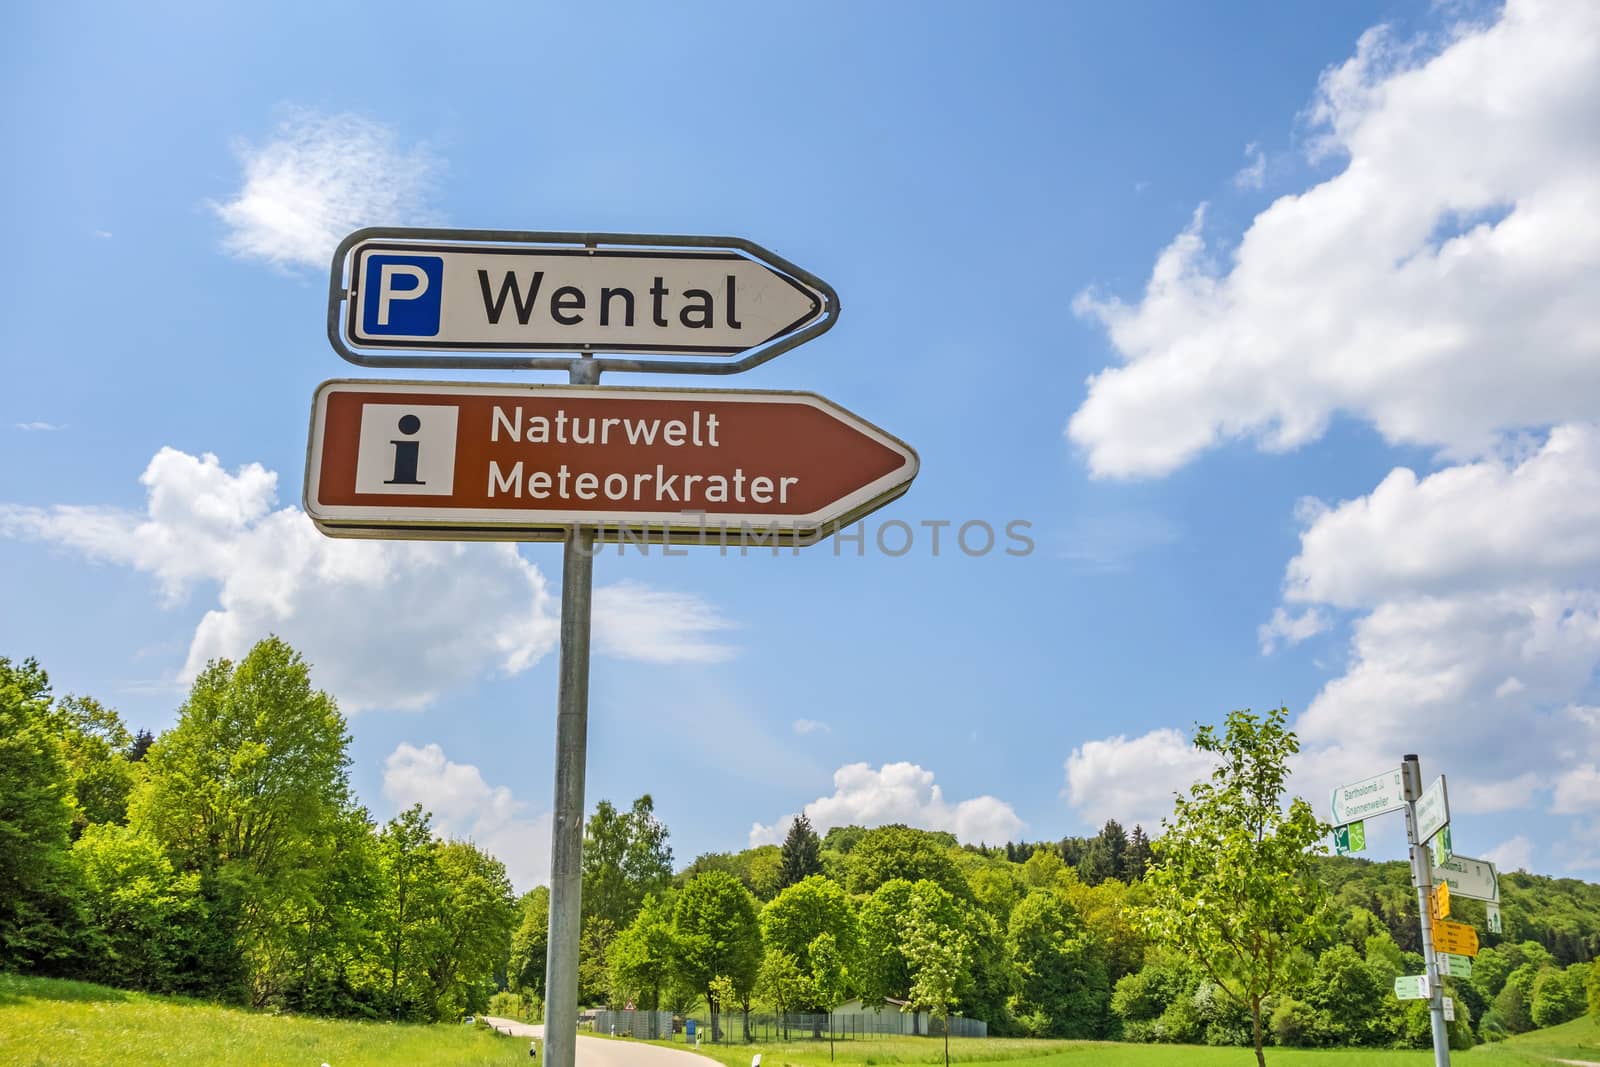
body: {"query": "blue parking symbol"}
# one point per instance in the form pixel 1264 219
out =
pixel 401 295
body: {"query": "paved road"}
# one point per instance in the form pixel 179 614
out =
pixel 599 1052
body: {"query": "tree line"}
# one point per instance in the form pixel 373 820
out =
pixel 228 858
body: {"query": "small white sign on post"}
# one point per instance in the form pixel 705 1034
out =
pixel 1449 1010
pixel 1371 796
pixel 1433 810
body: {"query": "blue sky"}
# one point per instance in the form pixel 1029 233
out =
pixel 1191 290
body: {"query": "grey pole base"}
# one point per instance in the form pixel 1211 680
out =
pixel 566 826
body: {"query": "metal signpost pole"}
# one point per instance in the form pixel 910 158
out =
pixel 1422 878
pixel 566 827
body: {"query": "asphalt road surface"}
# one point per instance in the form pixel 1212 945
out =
pixel 599 1052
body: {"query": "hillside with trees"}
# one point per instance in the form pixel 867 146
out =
pixel 228 859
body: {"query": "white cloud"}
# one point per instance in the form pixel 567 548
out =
pixel 30 427
pixel 1439 287
pixel 1290 628
pixel 898 793
pixel 1497 523
pixel 1468 797
pixel 1577 791
pixel 466 806
pixel 657 625
pixel 1476 633
pixel 321 177
pixel 1133 780
pixel 1515 854
pixel 385 623
pixel 811 726
pixel 1254 173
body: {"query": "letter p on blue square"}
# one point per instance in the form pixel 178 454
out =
pixel 402 295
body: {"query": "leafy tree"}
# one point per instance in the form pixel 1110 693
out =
pixel 1511 1011
pixel 594 961
pixel 471 928
pixel 643 956
pixel 830 977
pixel 1233 887
pixel 36 814
pixel 139 910
pixel 717 934
pixel 802 853
pixel 843 839
pixel 1045 869
pixel 246 790
pixel 1593 990
pixel 1558 996
pixel 886 970
pixel 793 919
pixel 937 958
pixel 1351 996
pixel 1060 974
pixel 781 981
pixel 898 851
pixel 93 740
pixel 411 892
pixel 625 856
pixel 530 942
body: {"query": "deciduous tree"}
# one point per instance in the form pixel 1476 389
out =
pixel 1233 886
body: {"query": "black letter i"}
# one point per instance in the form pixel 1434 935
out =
pixel 405 454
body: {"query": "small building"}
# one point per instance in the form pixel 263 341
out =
pixel 892 1017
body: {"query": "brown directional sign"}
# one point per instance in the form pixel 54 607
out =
pixel 1458 938
pixel 448 461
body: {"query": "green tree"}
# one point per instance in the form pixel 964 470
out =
pixel 1593 987
pixel 1060 974
pixel 530 942
pixel 643 956
pixel 625 856
pixel 898 851
pixel 139 910
pixel 802 853
pixel 1233 886
pixel 93 742
pixel 36 814
pixel 793 919
pixel 937 958
pixel 1351 995
pixel 410 895
pixel 594 961
pixel 471 929
pixel 830 977
pixel 247 789
pixel 1558 996
pixel 781 982
pixel 886 971
pixel 1137 859
pixel 717 934
pixel 1106 856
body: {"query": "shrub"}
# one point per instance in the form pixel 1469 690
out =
pixel 1296 1024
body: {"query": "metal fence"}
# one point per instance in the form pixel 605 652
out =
pixel 735 1028
pixel 648 1025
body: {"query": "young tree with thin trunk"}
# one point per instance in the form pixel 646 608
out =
pixel 1232 887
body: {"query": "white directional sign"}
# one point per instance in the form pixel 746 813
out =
pixel 1470 878
pixel 1412 987
pixel 1368 797
pixel 471 296
pixel 1433 810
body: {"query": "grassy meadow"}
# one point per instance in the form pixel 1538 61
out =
pixel 50 1023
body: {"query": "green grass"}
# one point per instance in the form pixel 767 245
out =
pixel 50 1023
pixel 989 1052
pixel 1577 1040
